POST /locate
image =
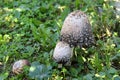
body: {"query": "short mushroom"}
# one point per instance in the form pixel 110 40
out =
pixel 18 66
pixel 76 30
pixel 62 53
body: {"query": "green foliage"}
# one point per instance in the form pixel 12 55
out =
pixel 29 29
pixel 39 72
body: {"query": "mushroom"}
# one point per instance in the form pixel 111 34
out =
pixel 62 53
pixel 18 66
pixel 76 30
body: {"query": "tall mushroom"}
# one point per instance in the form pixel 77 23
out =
pixel 76 30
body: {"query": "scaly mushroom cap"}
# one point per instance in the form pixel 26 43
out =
pixel 76 30
pixel 18 66
pixel 62 53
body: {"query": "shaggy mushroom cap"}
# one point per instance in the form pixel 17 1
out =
pixel 18 66
pixel 62 53
pixel 76 30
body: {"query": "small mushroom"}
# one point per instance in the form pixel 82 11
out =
pixel 18 66
pixel 62 53
pixel 76 30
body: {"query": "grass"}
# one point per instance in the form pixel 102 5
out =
pixel 29 29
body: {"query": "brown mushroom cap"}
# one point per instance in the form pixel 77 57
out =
pixel 18 66
pixel 62 52
pixel 76 30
